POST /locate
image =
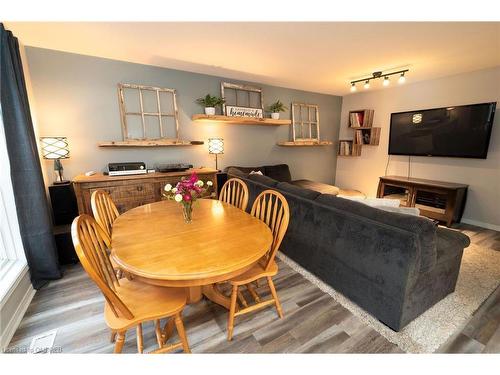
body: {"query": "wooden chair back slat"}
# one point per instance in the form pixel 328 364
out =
pixel 235 193
pixel 91 244
pixel 272 208
pixel 104 210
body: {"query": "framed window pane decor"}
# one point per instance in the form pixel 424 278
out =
pixel 148 112
pixel 305 122
pixel 242 100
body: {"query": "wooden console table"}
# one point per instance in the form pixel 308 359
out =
pixel 443 201
pixel 131 191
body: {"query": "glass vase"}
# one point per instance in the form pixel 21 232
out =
pixel 187 211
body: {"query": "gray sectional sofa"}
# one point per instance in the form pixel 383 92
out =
pixel 394 266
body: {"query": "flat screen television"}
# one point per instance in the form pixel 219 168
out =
pixel 461 131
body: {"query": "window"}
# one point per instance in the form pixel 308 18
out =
pixel 148 113
pixel 305 122
pixel 12 259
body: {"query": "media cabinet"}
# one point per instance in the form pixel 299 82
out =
pixel 438 200
pixel 134 190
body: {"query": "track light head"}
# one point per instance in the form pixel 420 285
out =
pixel 386 81
pixel 367 84
pixel 402 78
pixel 353 87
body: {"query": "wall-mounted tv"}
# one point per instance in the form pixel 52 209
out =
pixel 460 131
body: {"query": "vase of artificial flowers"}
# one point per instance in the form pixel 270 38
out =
pixel 186 192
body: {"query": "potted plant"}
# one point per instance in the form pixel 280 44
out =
pixel 186 192
pixel 210 102
pixel 276 108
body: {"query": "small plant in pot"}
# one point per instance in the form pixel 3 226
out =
pixel 276 108
pixel 210 102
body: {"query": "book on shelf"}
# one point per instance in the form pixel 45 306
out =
pixel 345 148
pixel 358 137
pixel 356 119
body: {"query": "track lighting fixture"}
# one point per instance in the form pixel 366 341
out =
pixel 376 75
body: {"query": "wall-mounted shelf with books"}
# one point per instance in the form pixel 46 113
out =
pixel 361 121
pixel 361 118
pixel 239 120
pixel 347 147
pixel 304 143
pixel 367 136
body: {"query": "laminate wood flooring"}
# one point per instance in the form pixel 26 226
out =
pixel 313 322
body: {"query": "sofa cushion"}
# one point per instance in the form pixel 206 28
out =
pixel 278 172
pixel 317 186
pixel 264 180
pixel 232 171
pixel 423 228
pixel 245 170
pixel 301 192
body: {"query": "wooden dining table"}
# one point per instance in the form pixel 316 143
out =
pixel 155 245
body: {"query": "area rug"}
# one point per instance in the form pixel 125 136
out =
pixel 479 276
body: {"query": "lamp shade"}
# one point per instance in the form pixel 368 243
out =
pixel 54 147
pixel 215 146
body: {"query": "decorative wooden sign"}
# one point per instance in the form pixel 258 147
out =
pixel 233 111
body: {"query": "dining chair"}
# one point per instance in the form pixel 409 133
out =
pixel 105 213
pixel 235 193
pixel 272 208
pixel 103 209
pixel 128 303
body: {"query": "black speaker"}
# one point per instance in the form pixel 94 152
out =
pixel 221 180
pixel 64 207
pixel 64 243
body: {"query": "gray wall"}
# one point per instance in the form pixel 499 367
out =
pixel 76 96
pixel 483 176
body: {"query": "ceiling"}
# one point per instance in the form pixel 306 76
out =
pixel 320 57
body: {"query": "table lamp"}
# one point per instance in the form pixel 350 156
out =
pixel 215 146
pixel 56 148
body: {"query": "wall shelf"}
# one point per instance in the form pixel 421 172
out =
pixel 360 121
pixel 361 118
pixel 367 136
pixel 347 147
pixel 151 143
pixel 304 144
pixel 239 120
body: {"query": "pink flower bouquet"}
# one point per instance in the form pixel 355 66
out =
pixel 186 192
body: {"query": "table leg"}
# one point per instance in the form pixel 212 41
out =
pixel 213 294
pixel 193 294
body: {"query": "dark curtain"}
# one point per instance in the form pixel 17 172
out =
pixel 26 174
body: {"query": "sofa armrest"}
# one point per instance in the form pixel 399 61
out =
pixel 454 236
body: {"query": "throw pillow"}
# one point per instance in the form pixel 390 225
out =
pixel 400 210
pixel 375 202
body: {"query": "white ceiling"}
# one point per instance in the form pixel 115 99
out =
pixel 321 57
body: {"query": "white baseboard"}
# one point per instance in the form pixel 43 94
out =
pixel 481 224
pixel 15 320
